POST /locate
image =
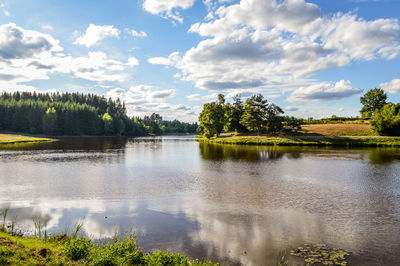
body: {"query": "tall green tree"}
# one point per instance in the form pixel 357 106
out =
pixel 259 115
pixel 234 114
pixel 50 121
pixel 372 101
pixel 212 118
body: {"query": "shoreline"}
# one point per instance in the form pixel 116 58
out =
pixel 306 140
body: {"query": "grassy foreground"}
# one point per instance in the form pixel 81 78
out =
pixel 15 138
pixel 63 250
pixel 346 134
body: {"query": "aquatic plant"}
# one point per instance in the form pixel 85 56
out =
pixel 13 220
pixel 4 217
pixel 320 253
pixel 282 259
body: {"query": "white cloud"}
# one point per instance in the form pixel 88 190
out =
pixel 162 94
pixel 171 60
pixel 194 97
pixel 17 43
pixel 138 34
pixel 132 61
pixel 96 33
pixel 263 44
pixel 144 99
pixel 324 91
pixel 392 87
pixel 95 67
pixel 27 55
pixel 167 8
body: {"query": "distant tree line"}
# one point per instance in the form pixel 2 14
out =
pixel 256 115
pixel 331 120
pixel 78 114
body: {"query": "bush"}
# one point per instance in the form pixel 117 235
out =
pixel 77 248
pixel 387 120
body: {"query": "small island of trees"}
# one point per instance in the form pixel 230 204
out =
pixel 255 115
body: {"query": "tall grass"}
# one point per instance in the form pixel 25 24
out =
pixel 4 218
pixel 13 220
pixel 40 227
pixel 75 230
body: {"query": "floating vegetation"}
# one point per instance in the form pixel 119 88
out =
pixel 321 254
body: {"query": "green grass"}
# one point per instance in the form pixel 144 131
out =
pixel 307 140
pixel 63 250
pixel 16 138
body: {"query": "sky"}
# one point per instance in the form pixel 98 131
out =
pixel 314 58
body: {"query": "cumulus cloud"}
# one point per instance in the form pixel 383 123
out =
pixel 96 33
pixel 171 60
pixel 17 43
pixel 144 99
pixel 27 55
pixel 324 91
pixel 260 44
pixel 392 87
pixel 167 8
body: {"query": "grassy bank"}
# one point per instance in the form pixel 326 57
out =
pixel 346 135
pixel 7 138
pixel 298 140
pixel 64 250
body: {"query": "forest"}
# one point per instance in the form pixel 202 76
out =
pixel 75 114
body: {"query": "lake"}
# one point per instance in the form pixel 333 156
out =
pixel 228 203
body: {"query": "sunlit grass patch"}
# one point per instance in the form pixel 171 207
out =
pixel 15 138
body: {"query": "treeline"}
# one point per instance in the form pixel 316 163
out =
pixel 256 114
pixel 331 120
pixel 75 114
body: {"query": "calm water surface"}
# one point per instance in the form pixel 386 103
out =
pixel 233 204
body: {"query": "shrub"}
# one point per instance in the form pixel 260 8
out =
pixel 134 258
pixel 77 248
pixel 387 120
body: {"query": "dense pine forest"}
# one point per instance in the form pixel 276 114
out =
pixel 75 114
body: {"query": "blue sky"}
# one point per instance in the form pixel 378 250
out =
pixel 313 58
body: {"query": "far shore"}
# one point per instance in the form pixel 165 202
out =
pixel 343 135
pixel 304 140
